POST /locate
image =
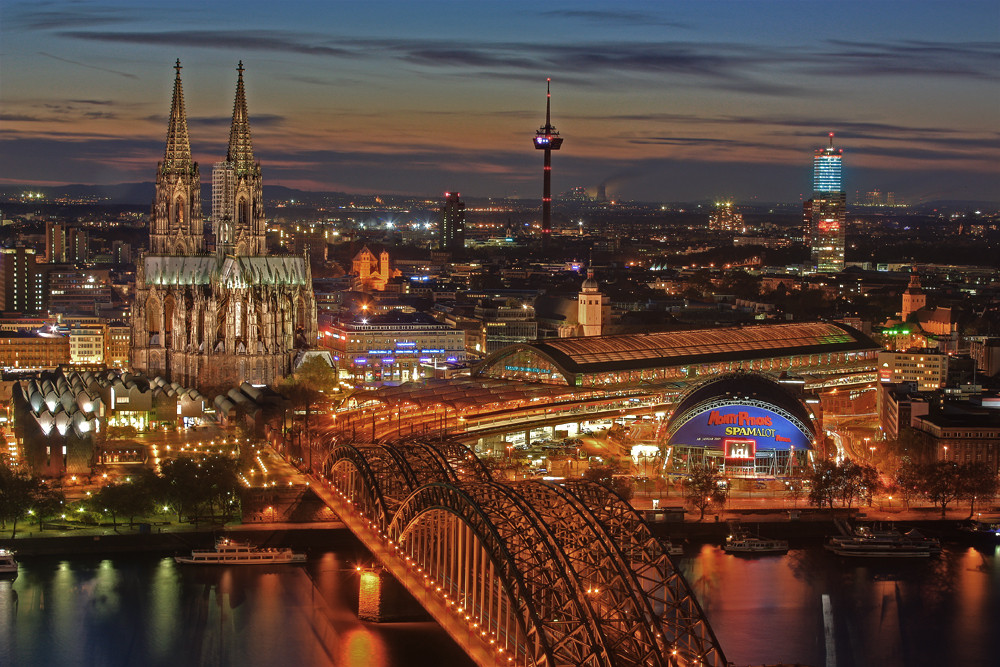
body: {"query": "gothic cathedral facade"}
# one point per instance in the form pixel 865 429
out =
pixel 214 318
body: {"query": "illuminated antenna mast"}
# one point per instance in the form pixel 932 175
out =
pixel 547 139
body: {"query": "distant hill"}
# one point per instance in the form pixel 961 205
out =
pixel 141 194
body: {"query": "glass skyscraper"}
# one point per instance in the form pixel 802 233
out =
pixel 826 170
pixel 826 213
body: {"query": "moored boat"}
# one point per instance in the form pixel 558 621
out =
pixel 982 530
pixel 7 563
pixel 672 548
pixel 231 552
pixel 743 543
pixel 867 542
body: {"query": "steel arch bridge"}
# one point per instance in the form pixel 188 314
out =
pixel 523 573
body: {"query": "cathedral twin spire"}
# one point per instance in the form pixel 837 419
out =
pixel 240 152
pixel 178 151
pixel 176 225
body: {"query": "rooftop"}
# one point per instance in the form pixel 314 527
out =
pixel 593 354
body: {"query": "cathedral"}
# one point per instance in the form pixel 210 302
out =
pixel 204 318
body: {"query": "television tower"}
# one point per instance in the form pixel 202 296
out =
pixel 547 139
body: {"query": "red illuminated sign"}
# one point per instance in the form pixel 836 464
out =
pixel 740 449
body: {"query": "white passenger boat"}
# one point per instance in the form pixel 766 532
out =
pixel 743 543
pixel 867 542
pixel 7 563
pixel 230 552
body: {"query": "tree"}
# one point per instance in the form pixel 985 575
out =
pixel 846 481
pixel 607 477
pixel 220 478
pixel 181 486
pixel 907 481
pixel 46 503
pixel 977 481
pixel 871 484
pixel 941 482
pixel 111 499
pixel 18 491
pixel 823 484
pixel 705 487
pixel 795 489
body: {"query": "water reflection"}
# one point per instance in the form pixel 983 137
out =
pixel 151 611
pixel 940 611
pixel 363 648
pixel 765 610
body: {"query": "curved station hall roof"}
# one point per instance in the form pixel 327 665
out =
pixel 574 358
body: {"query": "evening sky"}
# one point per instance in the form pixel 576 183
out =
pixel 661 100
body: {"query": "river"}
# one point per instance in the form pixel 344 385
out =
pixel 146 610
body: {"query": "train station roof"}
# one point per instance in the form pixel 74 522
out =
pixel 600 354
pixel 463 393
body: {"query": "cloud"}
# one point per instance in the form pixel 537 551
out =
pixel 256 120
pixel 690 141
pixel 31 17
pixel 618 16
pixel 127 75
pixel 976 60
pixel 246 40
pixel 468 57
pixel 22 118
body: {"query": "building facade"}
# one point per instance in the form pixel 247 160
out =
pixel 30 350
pixel 22 281
pixel 453 223
pixel 77 291
pixel 394 347
pixel 826 212
pixel 66 244
pixel 236 314
pixel 914 297
pixel 963 438
pixel 591 305
pixel 926 368
pixel 505 323
pixel 87 344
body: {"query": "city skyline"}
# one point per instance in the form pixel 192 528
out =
pixel 660 103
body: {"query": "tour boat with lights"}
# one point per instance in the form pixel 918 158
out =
pixel 228 551
pixel 744 543
pixel 867 542
pixel 981 530
pixel 7 563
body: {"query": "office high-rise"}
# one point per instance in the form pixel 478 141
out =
pixel 452 223
pixel 826 212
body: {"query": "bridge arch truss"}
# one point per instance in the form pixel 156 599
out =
pixel 534 573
